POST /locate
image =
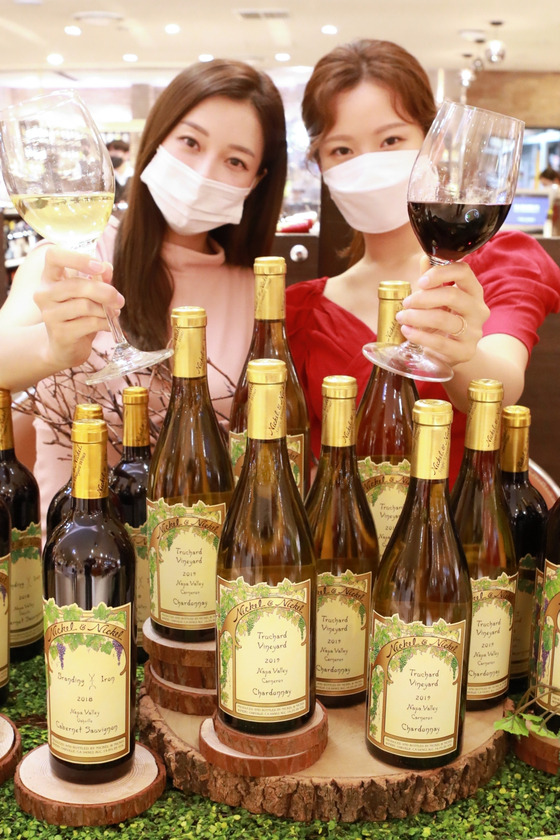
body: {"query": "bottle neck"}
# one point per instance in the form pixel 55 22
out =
pixel 136 427
pixel 338 459
pixel 89 472
pixel 270 297
pixel 91 506
pixel 430 453
pixel 136 453
pixel 388 328
pixel 267 412
pixel 514 455
pixel 338 425
pixel 6 430
pixel 189 357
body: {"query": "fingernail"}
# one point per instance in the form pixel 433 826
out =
pixel 95 266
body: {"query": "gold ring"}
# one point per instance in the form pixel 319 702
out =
pixel 461 329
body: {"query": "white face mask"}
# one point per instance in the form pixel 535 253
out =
pixel 188 202
pixel 370 190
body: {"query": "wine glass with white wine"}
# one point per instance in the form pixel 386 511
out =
pixel 59 175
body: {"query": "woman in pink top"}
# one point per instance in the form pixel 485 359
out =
pixel 203 203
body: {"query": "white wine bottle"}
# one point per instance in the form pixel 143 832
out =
pixel 347 551
pixel 528 513
pixel 20 492
pixel 266 577
pixel 482 523
pixel 90 632
pixel 61 502
pixel 189 489
pixel 384 424
pixel 5 564
pixel 269 341
pixel 421 614
pixel 129 483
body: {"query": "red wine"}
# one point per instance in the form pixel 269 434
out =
pixel 451 231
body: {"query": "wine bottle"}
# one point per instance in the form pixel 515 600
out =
pixel 384 424
pixel 61 502
pixel 546 670
pixel 90 632
pixel 347 552
pixel 129 483
pixel 527 513
pixel 482 523
pixel 421 614
pixel 269 341
pixel 266 577
pixel 20 492
pixel 189 489
pixel 5 563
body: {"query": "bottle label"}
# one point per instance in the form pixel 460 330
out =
pixel 523 617
pixel 87 657
pixel 548 660
pixel 264 649
pixel 182 551
pixel 414 699
pixel 343 616
pixel 26 586
pixel 491 635
pixel 386 486
pixel 4 620
pixel 296 454
pixel 139 540
pixel 535 673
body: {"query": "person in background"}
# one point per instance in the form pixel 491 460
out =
pixel 204 201
pixel 367 100
pixel 549 177
pixel 119 151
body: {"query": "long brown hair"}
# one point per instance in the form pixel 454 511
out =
pixel 139 272
pixel 382 62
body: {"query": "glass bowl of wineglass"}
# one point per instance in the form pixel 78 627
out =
pixel 459 194
pixel 60 178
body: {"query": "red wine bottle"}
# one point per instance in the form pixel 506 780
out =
pixel 129 483
pixel 5 564
pixel 528 513
pixel 20 492
pixel 90 630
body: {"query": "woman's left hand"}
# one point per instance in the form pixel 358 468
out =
pixel 446 312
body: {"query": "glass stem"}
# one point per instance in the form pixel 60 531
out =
pixel 116 329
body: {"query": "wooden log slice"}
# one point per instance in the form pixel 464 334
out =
pixel 314 732
pixel 185 699
pixel 538 751
pixel 242 764
pixel 10 748
pixel 197 654
pixel 43 795
pixel 346 784
pixel 194 676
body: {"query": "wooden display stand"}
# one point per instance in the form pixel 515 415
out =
pixel 539 751
pixel 263 755
pixel 10 748
pixel 345 784
pixel 180 675
pixel 43 795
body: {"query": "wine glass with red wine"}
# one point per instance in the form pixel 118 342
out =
pixel 459 194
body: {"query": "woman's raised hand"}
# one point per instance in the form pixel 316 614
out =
pixel 72 300
pixel 446 312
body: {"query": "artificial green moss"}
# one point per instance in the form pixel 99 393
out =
pixel 517 804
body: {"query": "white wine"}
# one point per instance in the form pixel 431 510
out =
pixel 482 523
pixel 269 341
pixel 347 551
pixel 384 424
pixel 189 490
pixel 421 614
pixel 73 220
pixel 266 577
pixel 90 632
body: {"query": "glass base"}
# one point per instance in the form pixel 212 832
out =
pixel 128 359
pixel 408 360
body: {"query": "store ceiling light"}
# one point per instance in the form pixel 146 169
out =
pixel 98 17
pixel 130 57
pixel 495 51
pixel 172 29
pixel 205 57
pixel 73 30
pixel 55 59
pixel 281 56
pixel 329 29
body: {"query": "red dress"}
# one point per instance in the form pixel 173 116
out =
pixel 521 287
